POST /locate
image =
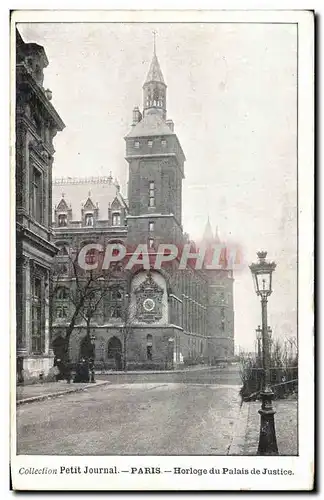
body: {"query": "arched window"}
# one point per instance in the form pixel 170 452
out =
pixel 114 348
pixel 62 293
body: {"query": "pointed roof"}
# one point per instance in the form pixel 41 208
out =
pixel 62 205
pixel 89 205
pixel 208 233
pixel 155 73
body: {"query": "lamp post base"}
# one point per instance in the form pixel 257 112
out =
pixel 267 438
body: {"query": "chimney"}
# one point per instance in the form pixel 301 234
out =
pixel 137 116
pixel 170 124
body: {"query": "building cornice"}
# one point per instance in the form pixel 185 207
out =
pixel 150 155
pixel 22 70
pixel 24 232
pixel 87 230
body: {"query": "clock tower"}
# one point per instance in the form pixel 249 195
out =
pixel 156 168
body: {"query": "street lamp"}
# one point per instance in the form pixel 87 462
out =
pixel 93 343
pixel 262 277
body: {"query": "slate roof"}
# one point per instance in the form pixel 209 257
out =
pixel 151 125
pixel 155 73
pixel 77 192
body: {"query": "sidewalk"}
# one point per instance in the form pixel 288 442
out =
pixel 246 436
pixel 37 392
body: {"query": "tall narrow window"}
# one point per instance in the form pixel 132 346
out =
pixel 136 144
pixel 151 243
pixel 149 346
pixel 62 220
pixel 116 219
pixel 89 220
pixel 116 299
pixel 151 227
pixel 222 319
pixel 37 196
pixel 37 309
pixel 150 144
pixel 152 194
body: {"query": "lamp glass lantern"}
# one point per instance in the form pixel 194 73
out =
pixel 259 333
pixel 262 275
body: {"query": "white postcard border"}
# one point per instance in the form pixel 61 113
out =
pixel 302 466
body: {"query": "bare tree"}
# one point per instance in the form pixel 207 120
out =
pixel 277 355
pixel 86 290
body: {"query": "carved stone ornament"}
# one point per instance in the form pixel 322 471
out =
pixel 149 300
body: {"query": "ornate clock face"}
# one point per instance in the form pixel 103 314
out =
pixel 148 305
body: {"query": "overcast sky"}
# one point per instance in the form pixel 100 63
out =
pixel 232 95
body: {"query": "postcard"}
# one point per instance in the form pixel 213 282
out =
pixel 162 184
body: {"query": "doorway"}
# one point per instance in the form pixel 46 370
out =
pixel 114 352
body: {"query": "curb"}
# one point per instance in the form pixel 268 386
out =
pixel 156 372
pixel 239 435
pixel 53 395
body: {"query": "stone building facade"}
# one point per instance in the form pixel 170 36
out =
pixel 159 317
pixel 37 123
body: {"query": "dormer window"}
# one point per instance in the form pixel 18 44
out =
pixel 89 219
pixel 116 219
pixel 62 220
pixel 136 144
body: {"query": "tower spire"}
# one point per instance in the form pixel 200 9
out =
pixel 208 233
pixel 154 87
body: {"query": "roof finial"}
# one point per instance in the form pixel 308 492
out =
pixel 154 41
